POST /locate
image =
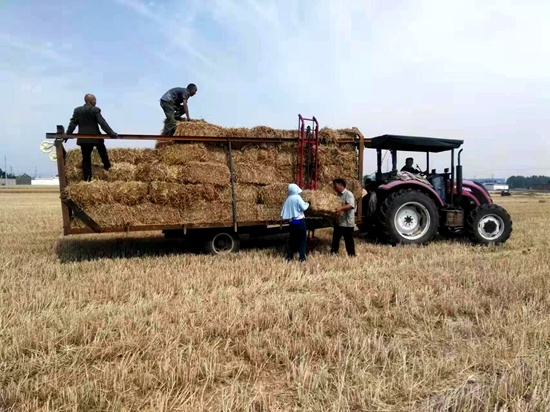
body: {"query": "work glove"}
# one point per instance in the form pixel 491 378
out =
pixel 114 136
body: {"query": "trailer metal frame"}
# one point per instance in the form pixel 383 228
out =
pixel 70 209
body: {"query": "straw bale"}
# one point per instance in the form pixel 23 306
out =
pixel 257 174
pixel 327 173
pixel 236 132
pixel 183 153
pixel 262 164
pixel 148 213
pixel 118 172
pixel 159 144
pixel 206 212
pixel 129 155
pixel 116 155
pixel 327 135
pixel 352 184
pixel 74 158
pixel 286 158
pixel 74 173
pixel 102 192
pixel 243 193
pixel 206 172
pixel 322 203
pixel 185 195
pixel 269 213
pixel 169 194
pixel 192 172
pixel 274 194
pixel 158 172
pixel 203 128
pixel 336 153
pixel 122 171
pixel 255 154
pixel 198 128
pixel 263 131
pixel 109 215
pixel 247 212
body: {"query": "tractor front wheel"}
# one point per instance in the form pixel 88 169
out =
pixel 489 225
pixel 408 216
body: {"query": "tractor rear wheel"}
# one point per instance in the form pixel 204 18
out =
pixel 489 225
pixel 408 216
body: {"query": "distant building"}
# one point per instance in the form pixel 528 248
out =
pixel 45 181
pixel 24 179
pixel 491 180
pixel 7 182
pixel 496 186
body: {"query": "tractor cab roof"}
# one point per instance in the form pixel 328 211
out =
pixel 412 143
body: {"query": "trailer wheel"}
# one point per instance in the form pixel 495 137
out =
pixel 222 243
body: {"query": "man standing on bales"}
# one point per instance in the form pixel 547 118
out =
pixel 293 211
pixel 174 104
pixel 88 118
pixel 346 219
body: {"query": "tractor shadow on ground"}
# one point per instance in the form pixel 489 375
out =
pixel 85 249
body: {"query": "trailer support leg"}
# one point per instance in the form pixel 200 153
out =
pixel 82 216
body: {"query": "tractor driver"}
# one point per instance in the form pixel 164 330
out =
pixel 409 166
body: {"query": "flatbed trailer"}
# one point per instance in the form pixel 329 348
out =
pixel 217 237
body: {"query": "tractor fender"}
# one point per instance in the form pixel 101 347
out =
pixel 467 193
pixel 481 194
pixel 400 184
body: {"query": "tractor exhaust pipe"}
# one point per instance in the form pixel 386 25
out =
pixel 459 179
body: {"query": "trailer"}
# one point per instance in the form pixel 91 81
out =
pixel 214 237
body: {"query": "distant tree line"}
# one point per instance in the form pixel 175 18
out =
pixel 524 182
pixel 3 175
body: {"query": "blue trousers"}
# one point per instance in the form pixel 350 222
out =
pixel 297 240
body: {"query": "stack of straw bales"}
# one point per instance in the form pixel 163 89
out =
pixel 184 183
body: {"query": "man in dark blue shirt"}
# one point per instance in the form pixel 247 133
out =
pixel 174 104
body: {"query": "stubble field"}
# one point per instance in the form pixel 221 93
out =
pixel 115 323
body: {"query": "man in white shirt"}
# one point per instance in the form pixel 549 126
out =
pixel 346 220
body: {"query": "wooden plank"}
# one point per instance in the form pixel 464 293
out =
pixel 232 172
pixel 59 151
pixel 361 156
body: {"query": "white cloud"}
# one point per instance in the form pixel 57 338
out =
pixel 43 49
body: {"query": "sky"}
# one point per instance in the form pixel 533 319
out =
pixel 472 70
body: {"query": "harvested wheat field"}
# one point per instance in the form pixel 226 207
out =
pixel 115 323
pixel 190 183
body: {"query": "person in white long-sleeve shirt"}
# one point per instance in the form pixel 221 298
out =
pixel 293 212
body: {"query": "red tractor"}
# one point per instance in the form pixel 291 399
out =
pixel 411 207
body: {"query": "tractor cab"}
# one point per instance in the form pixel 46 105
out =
pixel 411 205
